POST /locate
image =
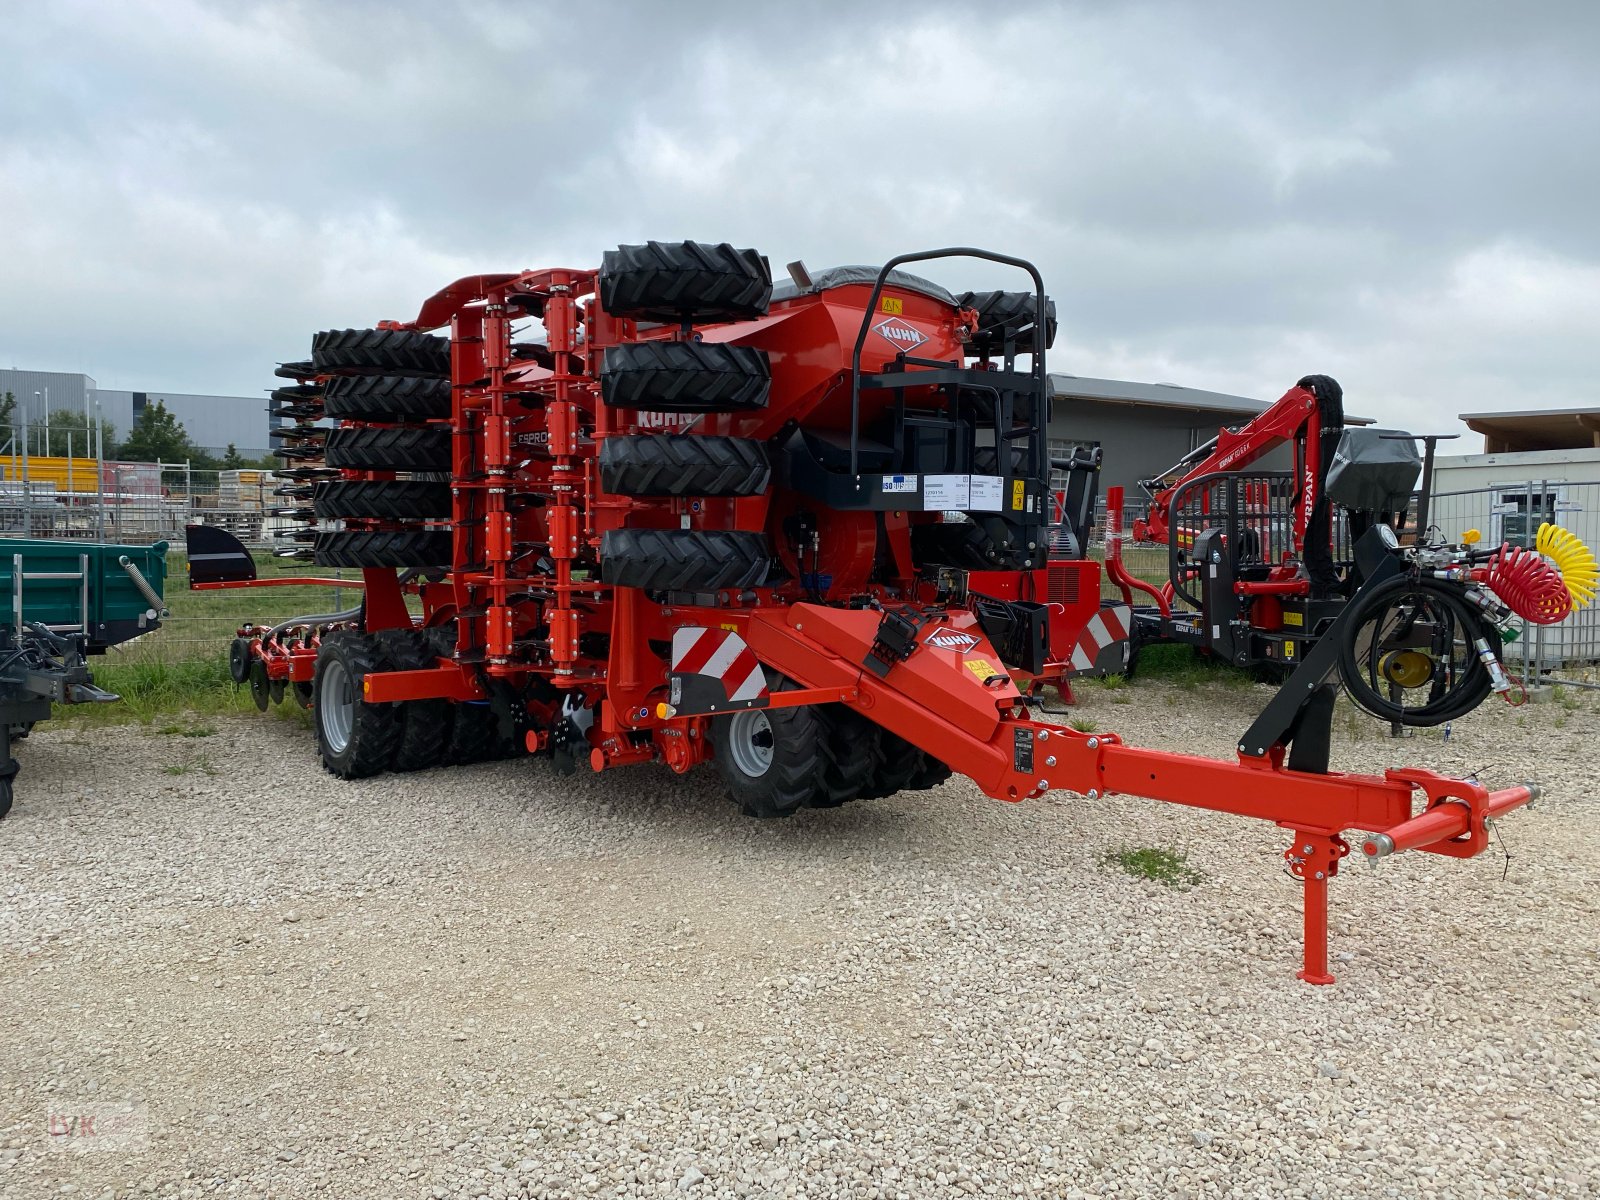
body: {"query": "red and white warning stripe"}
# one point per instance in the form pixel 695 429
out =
pixel 722 655
pixel 1106 627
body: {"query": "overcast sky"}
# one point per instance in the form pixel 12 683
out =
pixel 1224 196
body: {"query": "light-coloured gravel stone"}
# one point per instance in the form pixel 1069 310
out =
pixel 496 982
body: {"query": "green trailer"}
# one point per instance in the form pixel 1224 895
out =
pixel 61 602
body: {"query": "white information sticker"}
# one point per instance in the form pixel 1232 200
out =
pixel 899 483
pixel 985 493
pixel 945 491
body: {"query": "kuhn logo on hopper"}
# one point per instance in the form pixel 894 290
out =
pixel 906 337
pixel 951 639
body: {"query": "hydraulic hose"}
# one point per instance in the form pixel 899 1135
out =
pixel 1462 689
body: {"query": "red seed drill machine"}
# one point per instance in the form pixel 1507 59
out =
pixel 805 533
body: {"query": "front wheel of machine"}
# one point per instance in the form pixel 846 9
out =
pixel 354 738
pixel 772 759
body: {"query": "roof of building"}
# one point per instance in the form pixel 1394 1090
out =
pixel 1538 429
pixel 1166 395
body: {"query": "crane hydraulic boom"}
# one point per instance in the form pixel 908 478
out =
pixel 1309 415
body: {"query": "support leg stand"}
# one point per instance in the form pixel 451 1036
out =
pixel 1314 858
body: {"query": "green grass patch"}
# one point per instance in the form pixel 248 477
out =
pixel 1167 867
pixel 1083 724
pixel 152 688
pixel 200 765
pixel 1185 666
pixel 188 731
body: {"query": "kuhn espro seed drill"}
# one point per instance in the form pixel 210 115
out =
pixel 805 533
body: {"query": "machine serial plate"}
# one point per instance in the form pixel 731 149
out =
pixel 1023 752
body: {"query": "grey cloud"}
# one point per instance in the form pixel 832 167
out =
pixel 1224 195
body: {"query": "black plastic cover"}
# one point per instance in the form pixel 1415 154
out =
pixel 1372 474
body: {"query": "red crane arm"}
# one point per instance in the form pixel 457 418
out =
pixel 1292 419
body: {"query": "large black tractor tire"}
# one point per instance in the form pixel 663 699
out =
pixel 475 734
pixel 402 548
pixel 389 449
pixel 685 377
pixel 685 281
pixel 382 500
pixel 381 351
pixel 848 741
pixel 474 728
pixel 772 760
pixel 684 560
pixel 676 464
pixel 354 739
pixel 930 774
pixel 426 726
pixel 387 398
pixel 898 766
pixel 1003 315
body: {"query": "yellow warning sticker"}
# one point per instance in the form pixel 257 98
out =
pixel 981 668
pixel 1019 494
pixel 729 628
pixel 1288 649
pixel 893 304
pixel 1294 618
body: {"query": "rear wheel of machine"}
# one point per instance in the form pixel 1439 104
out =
pixel 684 281
pixel 772 759
pixel 683 560
pixel 399 548
pixel 387 398
pixel 355 739
pixel 425 725
pixel 260 685
pixel 848 741
pixel 685 377
pixel 475 734
pixel 388 449
pixel 382 500
pixel 474 728
pixel 676 464
pixel 390 351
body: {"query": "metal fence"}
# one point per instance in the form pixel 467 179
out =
pixel 1512 513
pixel 1503 513
pixel 132 502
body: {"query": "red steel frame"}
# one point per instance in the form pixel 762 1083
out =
pixel 937 699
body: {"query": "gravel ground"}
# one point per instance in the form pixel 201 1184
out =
pixel 496 982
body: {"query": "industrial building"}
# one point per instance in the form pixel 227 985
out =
pixel 212 422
